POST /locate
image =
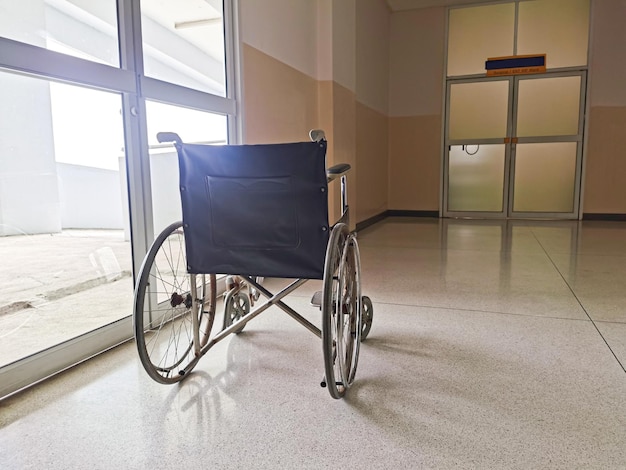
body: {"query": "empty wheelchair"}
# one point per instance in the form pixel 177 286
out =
pixel 250 212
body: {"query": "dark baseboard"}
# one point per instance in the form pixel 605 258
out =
pixel 402 213
pixel 394 213
pixel 612 217
pixel 435 214
pixel 371 221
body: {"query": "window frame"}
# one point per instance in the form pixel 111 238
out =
pixel 135 88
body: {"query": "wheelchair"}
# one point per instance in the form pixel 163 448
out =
pixel 250 212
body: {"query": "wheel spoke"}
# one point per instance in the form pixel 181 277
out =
pixel 164 309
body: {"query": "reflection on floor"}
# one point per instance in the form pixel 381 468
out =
pixel 495 345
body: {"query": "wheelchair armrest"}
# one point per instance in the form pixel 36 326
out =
pixel 164 137
pixel 336 171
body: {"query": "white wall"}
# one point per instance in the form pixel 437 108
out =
pixel 344 43
pixel 28 184
pixel 164 180
pixel 283 29
pixel 89 197
pixel 315 37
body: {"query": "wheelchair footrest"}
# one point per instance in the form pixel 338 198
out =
pixel 316 300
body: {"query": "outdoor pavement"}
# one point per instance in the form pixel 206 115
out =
pixel 54 287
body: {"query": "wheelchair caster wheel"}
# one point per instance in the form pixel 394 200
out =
pixel 367 316
pixel 236 305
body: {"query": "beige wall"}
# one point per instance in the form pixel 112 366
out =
pixel 280 102
pixel 605 160
pixel 297 77
pixel 416 103
pixel 605 179
pixel 375 82
pixel 416 86
pixel 414 167
pixel 372 148
pixel 373 19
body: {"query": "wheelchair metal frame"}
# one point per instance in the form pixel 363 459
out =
pixel 338 375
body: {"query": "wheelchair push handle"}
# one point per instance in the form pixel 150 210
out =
pixel 164 137
pixel 317 135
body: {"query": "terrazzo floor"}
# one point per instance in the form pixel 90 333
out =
pixel 495 345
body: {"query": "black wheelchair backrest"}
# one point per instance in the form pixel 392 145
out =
pixel 259 210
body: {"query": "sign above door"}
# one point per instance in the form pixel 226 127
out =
pixel 516 65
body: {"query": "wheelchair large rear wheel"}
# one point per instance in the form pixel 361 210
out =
pixel 165 306
pixel 341 310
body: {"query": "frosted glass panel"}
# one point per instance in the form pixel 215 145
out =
pixel 477 33
pixel 545 177
pixel 559 28
pixel 476 178
pixel 478 110
pixel 548 106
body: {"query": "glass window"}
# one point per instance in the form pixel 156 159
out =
pixel 80 28
pixel 183 43
pixel 193 127
pixel 66 262
pixel 64 192
pixel 478 33
pixel 558 28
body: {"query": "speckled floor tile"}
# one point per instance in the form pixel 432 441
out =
pixel 487 352
pixel 436 388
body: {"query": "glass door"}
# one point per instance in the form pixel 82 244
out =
pixel 84 186
pixel 477 158
pixel 547 146
pixel 513 136
pixel 514 146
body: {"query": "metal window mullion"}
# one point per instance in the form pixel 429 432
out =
pixel 42 63
pixel 515 27
pixel 549 139
pixel 582 106
pixel 165 92
pixel 232 51
pixel 582 102
pixel 135 133
pixel 511 148
pixel 483 141
pixel 445 162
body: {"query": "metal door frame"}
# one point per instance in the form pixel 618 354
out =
pixel 510 147
pixel 578 138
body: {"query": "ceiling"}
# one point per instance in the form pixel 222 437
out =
pixel 399 5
